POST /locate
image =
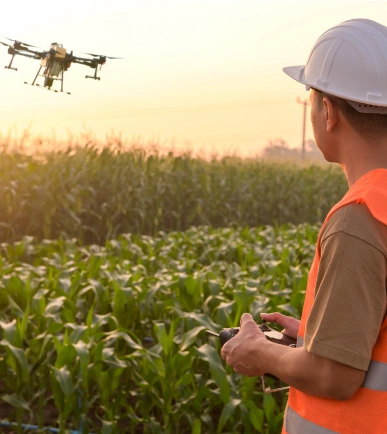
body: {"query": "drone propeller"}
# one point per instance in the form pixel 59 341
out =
pixel 100 55
pixel 22 43
pixel 94 55
pixel 7 45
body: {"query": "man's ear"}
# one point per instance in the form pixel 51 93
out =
pixel 331 114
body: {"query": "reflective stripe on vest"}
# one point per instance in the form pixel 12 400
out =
pixel 295 424
pixel 376 378
pixel 300 342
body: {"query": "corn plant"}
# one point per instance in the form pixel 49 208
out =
pixel 111 338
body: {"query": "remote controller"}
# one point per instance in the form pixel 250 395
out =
pixel 271 334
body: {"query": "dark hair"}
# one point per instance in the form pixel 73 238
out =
pixel 368 125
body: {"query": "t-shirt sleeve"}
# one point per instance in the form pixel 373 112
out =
pixel 350 301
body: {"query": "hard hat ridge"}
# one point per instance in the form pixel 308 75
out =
pixel 349 61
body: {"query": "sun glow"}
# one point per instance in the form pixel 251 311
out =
pixel 205 72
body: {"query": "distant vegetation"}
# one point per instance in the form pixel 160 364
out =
pixel 94 195
pixel 279 150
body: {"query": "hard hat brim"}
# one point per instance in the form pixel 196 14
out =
pixel 295 72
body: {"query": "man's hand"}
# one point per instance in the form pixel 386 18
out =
pixel 251 354
pixel 291 325
pixel 239 352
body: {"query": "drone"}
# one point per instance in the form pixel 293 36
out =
pixel 56 61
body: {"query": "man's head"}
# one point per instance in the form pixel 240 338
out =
pixel 371 126
pixel 347 70
pixel 335 120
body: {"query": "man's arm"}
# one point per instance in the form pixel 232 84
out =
pixel 350 292
pixel 251 354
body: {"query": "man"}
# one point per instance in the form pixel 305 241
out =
pixel 338 372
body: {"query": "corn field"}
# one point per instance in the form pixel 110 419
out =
pixel 97 194
pixel 114 263
pixel 111 339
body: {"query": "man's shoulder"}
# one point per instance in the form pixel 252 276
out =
pixel 356 220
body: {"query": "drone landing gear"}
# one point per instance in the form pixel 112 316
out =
pixel 48 82
pixel 52 90
pixel 10 63
pixel 94 77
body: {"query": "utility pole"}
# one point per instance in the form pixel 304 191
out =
pixel 305 104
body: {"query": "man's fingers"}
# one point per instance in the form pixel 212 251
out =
pixel 225 350
pixel 275 317
pixel 270 316
pixel 246 318
pixel 290 325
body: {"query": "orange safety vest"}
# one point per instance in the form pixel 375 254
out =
pixel 366 411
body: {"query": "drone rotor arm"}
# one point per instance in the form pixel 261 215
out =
pixel 17 46
pixel 26 55
pixel 86 62
pixel 39 53
pixel 81 59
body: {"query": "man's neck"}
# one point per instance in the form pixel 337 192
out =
pixel 359 157
pixel 354 172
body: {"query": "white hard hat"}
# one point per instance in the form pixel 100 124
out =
pixel 349 61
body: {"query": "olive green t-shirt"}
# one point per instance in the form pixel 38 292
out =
pixel 350 298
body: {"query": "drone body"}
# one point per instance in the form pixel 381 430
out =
pixel 56 61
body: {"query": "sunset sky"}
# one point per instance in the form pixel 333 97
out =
pixel 204 73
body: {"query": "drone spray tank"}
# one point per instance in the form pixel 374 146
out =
pixel 54 61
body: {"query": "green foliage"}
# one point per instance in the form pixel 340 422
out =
pixel 95 195
pixel 113 336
